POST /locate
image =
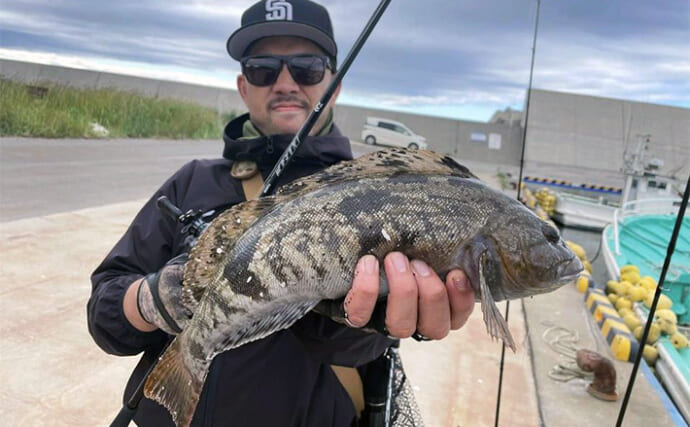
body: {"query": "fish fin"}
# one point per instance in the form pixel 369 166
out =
pixel 205 265
pixel 173 385
pixel 495 323
pixel 268 319
pixel 384 163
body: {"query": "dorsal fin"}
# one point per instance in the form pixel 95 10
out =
pixel 384 163
pixel 205 264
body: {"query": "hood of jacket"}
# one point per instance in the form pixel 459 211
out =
pixel 320 151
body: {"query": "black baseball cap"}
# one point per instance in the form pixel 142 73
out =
pixel 299 18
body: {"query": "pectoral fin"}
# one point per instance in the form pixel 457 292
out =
pixel 495 323
pixel 264 320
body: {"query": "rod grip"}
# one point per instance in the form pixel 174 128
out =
pixel 124 417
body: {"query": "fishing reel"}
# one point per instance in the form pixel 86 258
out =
pixel 194 222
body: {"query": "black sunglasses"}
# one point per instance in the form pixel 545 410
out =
pixel 305 69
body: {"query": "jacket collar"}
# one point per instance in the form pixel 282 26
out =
pixel 266 150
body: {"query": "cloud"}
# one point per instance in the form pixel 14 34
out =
pixel 448 55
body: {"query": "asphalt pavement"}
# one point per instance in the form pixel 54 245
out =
pixel 46 176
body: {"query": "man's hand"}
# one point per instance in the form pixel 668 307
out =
pixel 158 297
pixel 418 300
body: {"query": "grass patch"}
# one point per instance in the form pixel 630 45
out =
pixel 502 180
pixel 66 112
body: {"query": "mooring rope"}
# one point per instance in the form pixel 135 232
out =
pixel 563 341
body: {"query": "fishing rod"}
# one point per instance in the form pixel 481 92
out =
pixel 657 294
pixel 193 220
pixel 522 164
pixel 307 126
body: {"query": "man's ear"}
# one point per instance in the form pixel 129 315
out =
pixel 242 86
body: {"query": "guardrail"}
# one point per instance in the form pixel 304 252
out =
pixel 571 186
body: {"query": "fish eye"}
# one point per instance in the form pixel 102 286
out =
pixel 550 233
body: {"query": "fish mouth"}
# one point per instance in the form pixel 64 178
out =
pixel 568 270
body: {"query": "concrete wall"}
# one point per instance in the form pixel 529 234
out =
pixel 223 100
pixel 443 135
pixel 570 129
pixel 564 129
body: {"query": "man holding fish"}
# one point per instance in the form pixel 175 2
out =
pixel 291 377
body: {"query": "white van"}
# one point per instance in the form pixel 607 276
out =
pixel 389 132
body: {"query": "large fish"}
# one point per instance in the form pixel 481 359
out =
pixel 263 264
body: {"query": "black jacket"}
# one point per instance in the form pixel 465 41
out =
pixel 281 380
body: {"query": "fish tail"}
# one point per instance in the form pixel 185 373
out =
pixel 174 385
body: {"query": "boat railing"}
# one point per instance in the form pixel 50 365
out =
pixel 660 206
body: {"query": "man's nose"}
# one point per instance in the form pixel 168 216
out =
pixel 285 83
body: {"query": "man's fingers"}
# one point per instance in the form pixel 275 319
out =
pixel 434 312
pixel 461 298
pixel 401 313
pixel 417 299
pixel 361 299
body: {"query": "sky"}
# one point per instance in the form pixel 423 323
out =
pixel 459 59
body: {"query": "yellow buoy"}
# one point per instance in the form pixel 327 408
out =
pixel 650 354
pixel 624 311
pixel 648 283
pixel 667 314
pixel 623 302
pixel 654 333
pixel 667 326
pixel 679 341
pixel 629 267
pixel 664 301
pixel 582 284
pixel 612 297
pixel 613 286
pixel 631 321
pixel 577 249
pixel 624 287
pixel 637 293
pixel 631 276
pixel 587 265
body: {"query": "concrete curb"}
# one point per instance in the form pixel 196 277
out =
pixel 622 343
pixel 52 372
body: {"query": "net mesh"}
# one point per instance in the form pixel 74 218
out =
pixel 404 409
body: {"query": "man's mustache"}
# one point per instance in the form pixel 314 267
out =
pixel 288 100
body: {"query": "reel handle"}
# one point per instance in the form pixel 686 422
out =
pixel 168 208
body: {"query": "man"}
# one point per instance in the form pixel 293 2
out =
pixel 288 56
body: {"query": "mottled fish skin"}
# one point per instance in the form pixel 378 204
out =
pixel 308 248
pixel 304 244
